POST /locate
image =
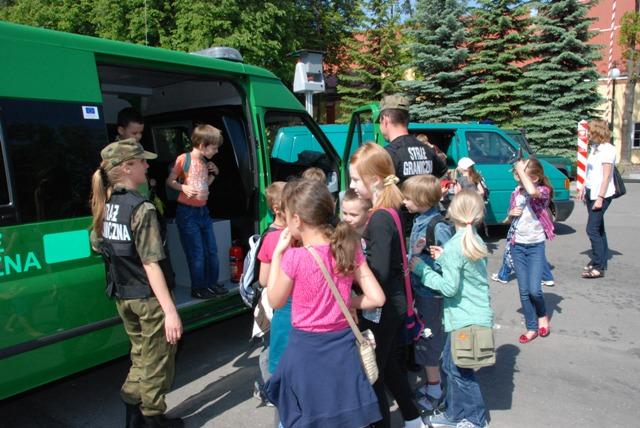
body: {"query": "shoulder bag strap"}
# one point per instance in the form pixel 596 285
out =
pixel 336 294
pixel 405 268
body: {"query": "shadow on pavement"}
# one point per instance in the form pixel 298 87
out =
pixel 496 382
pixel 563 229
pixel 552 303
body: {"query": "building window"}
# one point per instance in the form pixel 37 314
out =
pixel 635 144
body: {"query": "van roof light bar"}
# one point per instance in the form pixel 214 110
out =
pixel 221 52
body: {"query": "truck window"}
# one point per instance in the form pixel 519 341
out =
pixel 4 190
pixel 293 147
pixel 363 132
pixel 53 149
pixel 489 147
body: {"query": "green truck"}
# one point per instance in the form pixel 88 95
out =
pixel 563 164
pixel 59 98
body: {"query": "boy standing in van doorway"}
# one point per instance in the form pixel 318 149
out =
pixel 130 124
pixel 410 156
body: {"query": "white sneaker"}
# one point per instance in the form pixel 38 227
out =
pixel 549 283
pixel 494 276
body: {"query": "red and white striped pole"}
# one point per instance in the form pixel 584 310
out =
pixel 610 62
pixel 583 147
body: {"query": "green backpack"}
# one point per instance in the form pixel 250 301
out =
pixel 172 194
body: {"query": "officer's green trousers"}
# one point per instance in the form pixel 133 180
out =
pixel 152 357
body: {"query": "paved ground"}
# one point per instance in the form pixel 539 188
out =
pixel 585 373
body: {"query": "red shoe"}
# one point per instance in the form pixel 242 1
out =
pixel 525 339
pixel 544 331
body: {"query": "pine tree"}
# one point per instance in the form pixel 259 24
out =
pixel 497 37
pixel 437 55
pixel 560 85
pixel 373 58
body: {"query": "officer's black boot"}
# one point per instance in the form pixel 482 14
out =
pixel 161 421
pixel 133 417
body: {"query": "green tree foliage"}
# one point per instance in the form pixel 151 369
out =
pixel 497 38
pixel 264 32
pixel 436 47
pixel 373 57
pixel 560 85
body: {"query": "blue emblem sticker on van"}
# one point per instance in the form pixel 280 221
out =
pixel 90 112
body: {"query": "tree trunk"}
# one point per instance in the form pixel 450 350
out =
pixel 626 137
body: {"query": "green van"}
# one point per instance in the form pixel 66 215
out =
pixel 563 164
pixel 489 146
pixel 59 98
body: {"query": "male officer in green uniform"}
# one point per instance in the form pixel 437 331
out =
pixel 127 234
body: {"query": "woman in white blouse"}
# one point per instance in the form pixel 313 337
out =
pixel 597 193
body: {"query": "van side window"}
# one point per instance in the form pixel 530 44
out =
pixel 489 148
pixel 293 147
pixel 4 189
pixel 53 149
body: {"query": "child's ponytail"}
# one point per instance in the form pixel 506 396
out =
pixel 344 244
pixel 467 210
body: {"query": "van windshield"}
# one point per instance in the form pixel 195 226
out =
pixel 294 148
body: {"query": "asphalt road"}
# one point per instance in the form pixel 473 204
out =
pixel 586 373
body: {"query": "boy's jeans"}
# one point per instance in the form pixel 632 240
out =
pixel 199 244
pixel 529 261
pixel 463 395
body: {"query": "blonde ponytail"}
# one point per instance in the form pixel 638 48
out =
pixel 467 210
pixel 101 187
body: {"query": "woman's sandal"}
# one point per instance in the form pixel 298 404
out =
pixel 526 339
pixel 592 274
pixel 544 331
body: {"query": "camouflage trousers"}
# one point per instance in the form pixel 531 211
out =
pixel 152 357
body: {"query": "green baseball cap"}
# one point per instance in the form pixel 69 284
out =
pixel 394 101
pixel 121 151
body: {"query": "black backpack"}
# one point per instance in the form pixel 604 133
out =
pixel 431 229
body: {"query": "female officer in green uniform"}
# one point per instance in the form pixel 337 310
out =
pixel 126 232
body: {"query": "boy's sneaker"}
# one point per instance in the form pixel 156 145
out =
pixel 218 290
pixel 438 419
pixel 495 277
pixel 202 293
pixel 467 424
pixel 258 394
pixel 549 283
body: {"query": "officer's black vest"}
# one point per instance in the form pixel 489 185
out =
pixel 126 277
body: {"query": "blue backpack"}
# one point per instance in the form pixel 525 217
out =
pixel 248 286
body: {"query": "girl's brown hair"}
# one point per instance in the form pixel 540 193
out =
pixel 535 168
pixel 102 183
pixel 474 175
pixel 372 161
pixel 599 131
pixel 206 135
pixel 312 202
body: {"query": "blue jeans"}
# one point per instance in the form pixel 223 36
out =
pixel 597 234
pixel 529 261
pixel 505 271
pixel 199 244
pixel 463 395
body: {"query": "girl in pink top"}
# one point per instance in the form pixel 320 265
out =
pixel 321 342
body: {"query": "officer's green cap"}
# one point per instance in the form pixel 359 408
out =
pixel 394 101
pixel 121 151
